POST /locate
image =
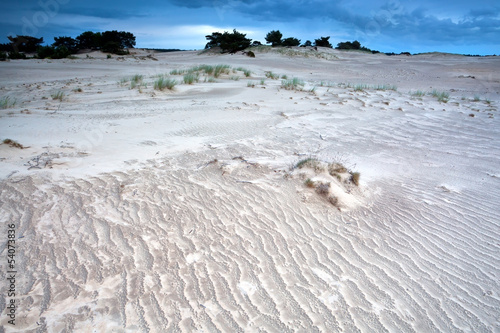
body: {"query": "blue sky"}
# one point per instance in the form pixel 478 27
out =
pixel 460 26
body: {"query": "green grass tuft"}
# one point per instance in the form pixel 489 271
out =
pixel 6 102
pixel 58 95
pixel 442 96
pixel 163 82
pixel 293 84
pixel 272 76
pixel 191 78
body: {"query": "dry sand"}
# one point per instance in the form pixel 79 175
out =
pixel 138 210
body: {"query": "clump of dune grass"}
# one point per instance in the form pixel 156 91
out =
pixel 293 84
pixel 284 77
pixel 221 69
pixel 164 82
pixel 123 81
pixel 13 143
pixel 7 102
pixel 311 163
pixel 385 87
pixel 191 78
pixel 177 72
pixel 250 84
pixel 210 79
pixel 418 93
pixel 245 71
pixel 476 98
pixel 262 82
pixel 58 95
pixel 235 78
pixel 135 81
pixel 309 183
pixel 271 75
pixel 361 87
pixel 442 96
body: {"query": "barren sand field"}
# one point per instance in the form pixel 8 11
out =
pixel 214 207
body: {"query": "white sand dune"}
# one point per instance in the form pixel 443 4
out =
pixel 177 211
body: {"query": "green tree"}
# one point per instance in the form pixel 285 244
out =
pixel 323 41
pixel 228 41
pixel 307 43
pixel 274 37
pixel 290 41
pixel 25 43
pixel 89 40
pixel 68 42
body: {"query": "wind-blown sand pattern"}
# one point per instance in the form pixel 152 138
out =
pixel 179 212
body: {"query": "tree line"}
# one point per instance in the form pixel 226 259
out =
pixel 108 41
pixel 236 41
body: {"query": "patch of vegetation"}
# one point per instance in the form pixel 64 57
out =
pixel 135 81
pixel 221 69
pixel 284 77
pixel 477 98
pixel 164 82
pixel 418 93
pixel 191 78
pixel 235 78
pixel 211 79
pixel 251 54
pixel 309 183
pixel 177 72
pixel 262 82
pixel 250 84
pixel 385 87
pixel 13 144
pixel 293 84
pixel 272 76
pixel 442 96
pixel 58 95
pixel 7 102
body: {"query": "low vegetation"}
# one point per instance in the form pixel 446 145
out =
pixel 442 96
pixel 293 84
pixel 59 95
pixel 7 102
pixel 163 82
pixel 13 144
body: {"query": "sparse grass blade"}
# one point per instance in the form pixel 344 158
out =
pixel 293 84
pixel 58 95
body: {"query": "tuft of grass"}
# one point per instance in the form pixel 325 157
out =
pixel 263 82
pixel 211 79
pixel 13 144
pixel 6 102
pixel 135 81
pixel 58 95
pixel 272 76
pixel 177 72
pixel 309 183
pixel 191 78
pixel 309 162
pixel 163 82
pixel 477 98
pixel 123 81
pixel 284 77
pixel 385 87
pixel 235 78
pixel 442 96
pixel 251 84
pixel 418 93
pixel 361 87
pixel 247 73
pixel 293 84
pixel 323 189
pixel 221 69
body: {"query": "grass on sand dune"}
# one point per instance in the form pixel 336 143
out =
pixel 164 82
pixel 6 102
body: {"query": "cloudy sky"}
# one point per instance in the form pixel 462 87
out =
pixel 458 26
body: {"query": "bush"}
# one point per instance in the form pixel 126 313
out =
pixel 59 52
pixel 251 54
pixel 3 56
